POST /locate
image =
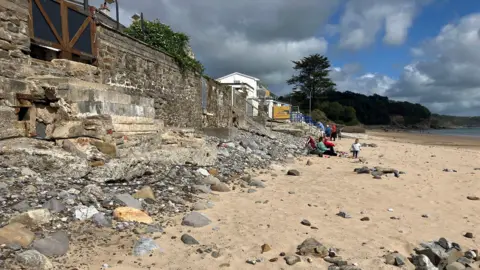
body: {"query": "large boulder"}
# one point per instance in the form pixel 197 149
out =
pixel 16 234
pixel 56 244
pixel 33 218
pixel 32 259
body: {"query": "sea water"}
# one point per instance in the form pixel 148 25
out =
pixel 469 132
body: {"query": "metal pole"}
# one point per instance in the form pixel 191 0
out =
pixel 85 5
pixel 142 25
pixel 118 14
pixel 310 106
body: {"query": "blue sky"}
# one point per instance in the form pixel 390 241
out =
pixel 390 59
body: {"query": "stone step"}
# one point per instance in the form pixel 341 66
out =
pixel 114 109
pixel 95 98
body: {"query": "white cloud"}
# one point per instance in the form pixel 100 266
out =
pixel 368 83
pixel 446 79
pixel 362 20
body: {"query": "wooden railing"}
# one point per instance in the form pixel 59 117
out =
pixel 64 26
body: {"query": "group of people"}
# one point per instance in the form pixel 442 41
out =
pixel 321 147
pixel 332 132
pixel 325 146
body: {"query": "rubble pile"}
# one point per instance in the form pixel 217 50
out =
pixel 247 151
pixel 437 255
pixel 46 188
pixel 378 172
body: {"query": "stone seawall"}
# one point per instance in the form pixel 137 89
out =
pixel 127 62
pixel 139 68
pixel 127 72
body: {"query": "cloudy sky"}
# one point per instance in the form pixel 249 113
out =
pixel 425 51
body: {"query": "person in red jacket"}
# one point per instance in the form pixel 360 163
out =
pixel 334 132
pixel 329 144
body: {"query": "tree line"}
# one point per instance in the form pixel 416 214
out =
pixel 345 107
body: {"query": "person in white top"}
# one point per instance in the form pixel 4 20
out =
pixel 356 148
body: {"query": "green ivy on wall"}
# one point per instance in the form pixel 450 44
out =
pixel 163 38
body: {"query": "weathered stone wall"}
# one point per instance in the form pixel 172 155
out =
pixel 125 64
pixel 141 69
pixel 219 105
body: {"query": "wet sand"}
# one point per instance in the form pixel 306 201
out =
pixel 428 139
pixel 242 222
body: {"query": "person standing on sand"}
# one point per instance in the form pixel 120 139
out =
pixel 334 132
pixel 356 148
pixel 328 132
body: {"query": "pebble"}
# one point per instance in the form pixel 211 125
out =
pixel 292 259
pixel 203 172
pixel 473 198
pixel 83 212
pixel 344 214
pixel 189 240
pixel 145 193
pixel 266 248
pixel 306 222
pixel 196 219
pixel 128 201
pixel 273 259
pixel 468 235
pixel 312 247
pixel 293 173
pixel 144 246
pixel 220 187
pixel 129 214
pixel 257 183
pixel 365 219
pixel 199 206
pixel 395 259
pixel 100 220
pixel 216 254
pixel 54 205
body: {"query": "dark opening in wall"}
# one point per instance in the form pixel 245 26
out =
pixel 82 59
pixel 43 52
pixel 23 114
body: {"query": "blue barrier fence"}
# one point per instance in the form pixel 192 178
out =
pixel 296 117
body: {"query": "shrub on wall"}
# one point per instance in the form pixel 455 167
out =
pixel 163 38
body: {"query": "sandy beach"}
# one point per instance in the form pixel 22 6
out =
pixel 242 222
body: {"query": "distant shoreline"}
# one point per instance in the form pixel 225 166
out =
pixel 429 138
pixel 407 129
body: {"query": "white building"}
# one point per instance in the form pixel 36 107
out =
pixel 239 81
